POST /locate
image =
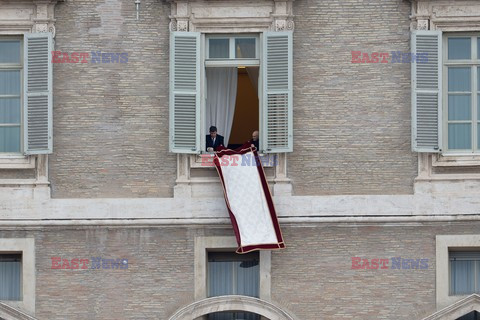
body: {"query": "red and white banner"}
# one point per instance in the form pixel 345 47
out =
pixel 248 200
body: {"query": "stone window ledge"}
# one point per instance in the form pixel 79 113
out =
pixel 17 162
pixel 456 160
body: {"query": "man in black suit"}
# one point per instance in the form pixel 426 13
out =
pixel 213 140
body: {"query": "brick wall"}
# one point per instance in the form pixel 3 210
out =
pixel 351 121
pixel 111 120
pixel 312 277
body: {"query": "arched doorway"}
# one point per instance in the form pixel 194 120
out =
pixel 231 303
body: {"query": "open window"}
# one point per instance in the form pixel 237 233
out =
pixel 238 83
pixel 231 95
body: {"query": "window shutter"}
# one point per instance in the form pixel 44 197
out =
pixel 427 92
pixel 277 130
pixel 37 93
pixel 184 92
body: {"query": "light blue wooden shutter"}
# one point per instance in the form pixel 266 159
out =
pixel 184 92
pixel 277 130
pixel 37 93
pixel 427 92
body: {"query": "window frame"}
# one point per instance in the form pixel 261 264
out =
pixel 25 246
pixel 232 37
pixel 231 254
pixel 445 244
pixel 474 64
pixel 19 156
pixel 225 243
pixel 21 273
pixel 476 272
pixel 213 63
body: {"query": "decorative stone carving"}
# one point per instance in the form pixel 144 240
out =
pixel 283 25
pixel 182 25
pixel 422 25
pixel 280 25
pixel 52 29
pixel 172 25
pixel 290 25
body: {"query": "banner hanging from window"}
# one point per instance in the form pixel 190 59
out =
pixel 248 198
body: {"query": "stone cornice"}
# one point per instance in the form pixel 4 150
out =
pixel 445 15
pixel 290 209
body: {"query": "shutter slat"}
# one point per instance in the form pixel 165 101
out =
pixel 426 92
pixel 38 93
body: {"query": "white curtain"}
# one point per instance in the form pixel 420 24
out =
pixel 221 96
pixel 10 272
pixel 462 277
pixel 253 73
pixel 233 277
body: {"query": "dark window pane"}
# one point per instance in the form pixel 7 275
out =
pixel 233 316
pixel 474 315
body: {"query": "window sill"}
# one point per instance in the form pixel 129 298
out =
pixel 455 160
pixel 17 162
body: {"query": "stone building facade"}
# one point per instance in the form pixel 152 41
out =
pixel 350 192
